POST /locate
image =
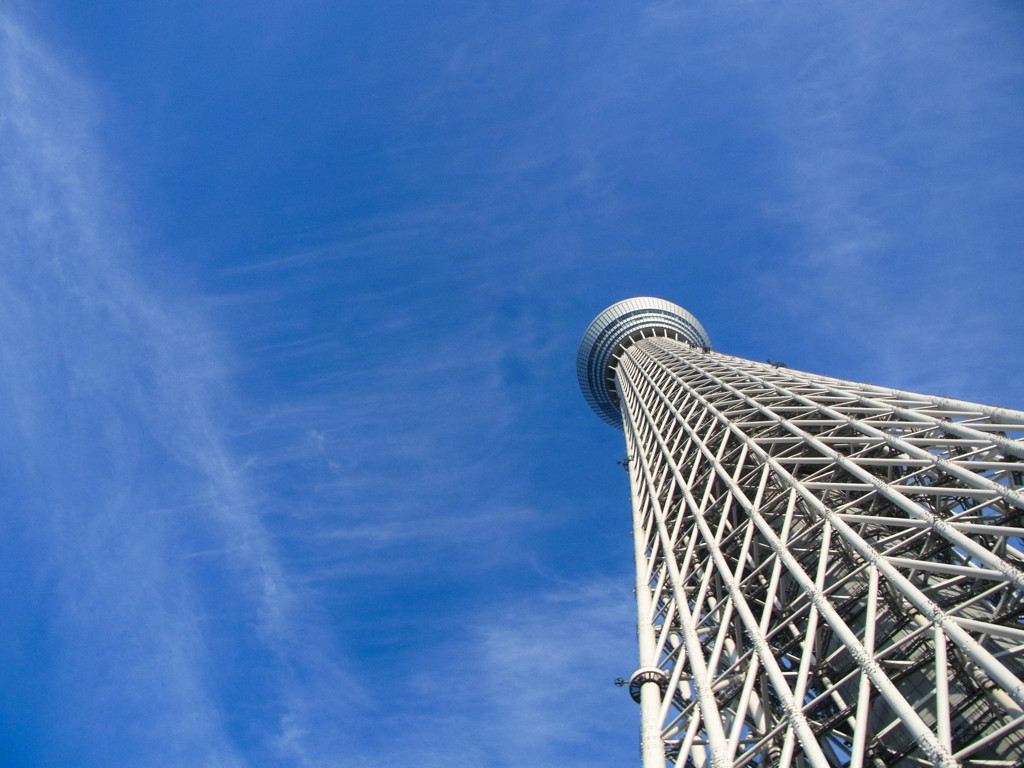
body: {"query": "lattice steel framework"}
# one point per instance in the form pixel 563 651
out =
pixel 828 573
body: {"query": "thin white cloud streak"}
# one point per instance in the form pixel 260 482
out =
pixel 527 681
pixel 897 130
pixel 404 445
pixel 58 280
pixel 109 394
pixel 554 660
pixel 401 381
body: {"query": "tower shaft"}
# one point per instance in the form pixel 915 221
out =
pixel 828 573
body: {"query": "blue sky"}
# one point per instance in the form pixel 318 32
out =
pixel 296 468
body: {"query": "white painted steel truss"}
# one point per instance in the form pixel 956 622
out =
pixel 828 573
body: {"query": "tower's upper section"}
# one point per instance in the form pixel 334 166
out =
pixel 618 327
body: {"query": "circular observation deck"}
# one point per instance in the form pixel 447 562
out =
pixel 618 327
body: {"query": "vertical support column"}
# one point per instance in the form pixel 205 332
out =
pixel 652 746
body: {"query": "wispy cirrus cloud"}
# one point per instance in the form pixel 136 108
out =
pixel 147 559
pixel 522 680
pixel 889 136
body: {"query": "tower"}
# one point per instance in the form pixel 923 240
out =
pixel 827 573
